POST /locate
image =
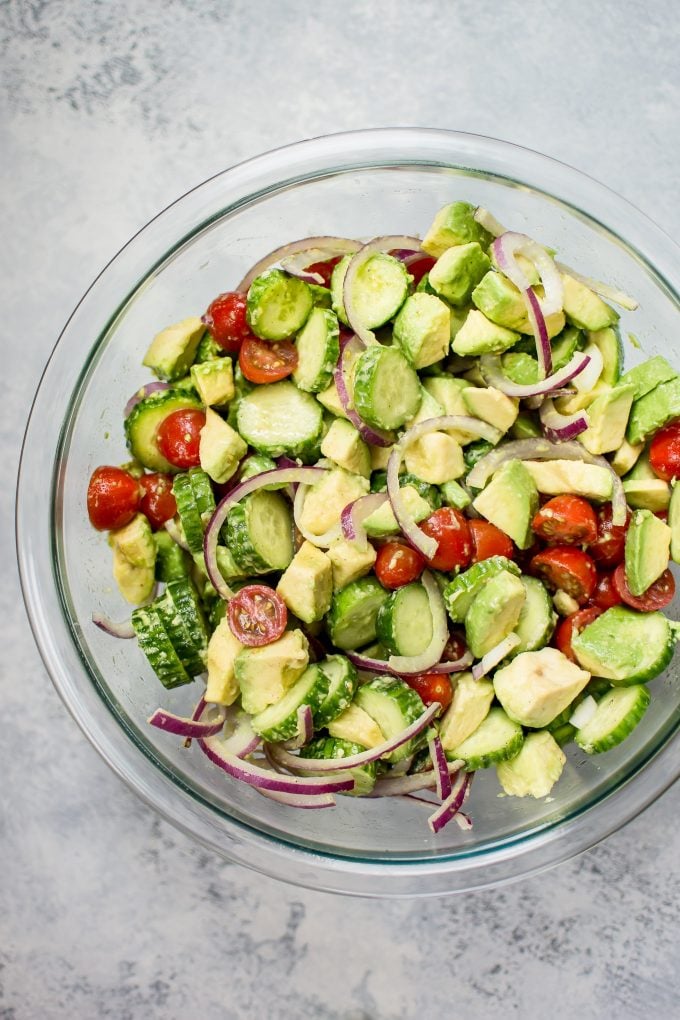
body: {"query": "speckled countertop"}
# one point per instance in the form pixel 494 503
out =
pixel 109 111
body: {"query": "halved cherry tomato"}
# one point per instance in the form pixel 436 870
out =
pixel 257 615
pixel 264 362
pixel 455 648
pixel 432 687
pixel 179 435
pixel 226 320
pixel 158 502
pixel 113 497
pixel 567 568
pixel 664 451
pixel 658 595
pixel 662 515
pixel 324 269
pixel 605 595
pixel 572 626
pixel 398 564
pixel 454 541
pixel 419 267
pixel 567 520
pixel 608 548
pixel 488 540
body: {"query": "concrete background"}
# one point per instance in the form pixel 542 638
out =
pixel 109 112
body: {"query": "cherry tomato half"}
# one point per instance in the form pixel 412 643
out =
pixel 488 540
pixel 398 564
pixel 419 267
pixel 257 615
pixel 158 501
pixel 113 497
pixel 605 595
pixel 454 541
pixel 608 548
pixel 432 687
pixel 567 520
pixel 567 568
pixel 179 435
pixel 657 596
pixel 324 269
pixel 226 320
pixel 572 626
pixel 664 451
pixel 264 362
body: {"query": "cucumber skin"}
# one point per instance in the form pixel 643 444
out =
pixel 180 637
pixel 624 728
pixel 185 598
pixel 188 512
pixel 237 539
pixel 334 747
pixel 258 292
pixel 344 601
pixel 287 728
pixel 465 586
pixel 486 759
pixel 158 649
pixel 410 706
pixel 642 675
pixel 324 376
pixel 386 628
pixel 165 401
pixel 336 701
pixel 306 449
pixel 364 384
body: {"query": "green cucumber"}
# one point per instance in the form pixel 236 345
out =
pixel 351 620
pixel 386 388
pixel 141 425
pixel 203 491
pixel 208 349
pixel 172 561
pixel 154 642
pixel 255 464
pixel 608 342
pixel 259 533
pixel 615 718
pixel 380 289
pixel 394 706
pixel 334 747
pixel 404 621
pixel 625 646
pixel 674 522
pixel 279 419
pixel 343 681
pixel 278 305
pixel 189 515
pixel 459 594
pixel 318 350
pixel 190 655
pixel 188 607
pixel 279 721
pixel 429 492
pixel 536 619
pixel 496 739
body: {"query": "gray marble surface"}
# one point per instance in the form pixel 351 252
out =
pixel 110 110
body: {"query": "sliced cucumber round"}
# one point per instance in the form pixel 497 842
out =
pixel 189 655
pixel 496 739
pixel 615 718
pixel 387 391
pixel 141 425
pixel 259 533
pixel 318 350
pixel 188 607
pixel 203 491
pixel 394 706
pixel 155 643
pixel 458 595
pixel 280 419
pixel 351 620
pixel 343 681
pixel 625 646
pixel 189 514
pixel 536 619
pixel 380 288
pixel 335 747
pixel 278 305
pixel 404 621
pixel 279 721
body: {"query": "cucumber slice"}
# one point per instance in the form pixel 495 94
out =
pixel 536 619
pixel 141 425
pixel 608 342
pixel 459 594
pixel 203 491
pixel 394 706
pixel 208 349
pixel 404 621
pixel 190 655
pixel 188 608
pixel 380 288
pixel 318 350
pixel 625 646
pixel 154 642
pixel 351 620
pixel 343 681
pixel 280 419
pixel 425 489
pixel 259 533
pixel 278 305
pixel 172 561
pixel 616 716
pixel 279 721
pixel 255 465
pixel 496 739
pixel 386 388
pixel 187 509
pixel 674 522
pixel 334 747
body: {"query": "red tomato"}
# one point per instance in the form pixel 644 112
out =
pixel 664 451
pixel 657 596
pixel 178 437
pixel 226 320
pixel 608 548
pixel 158 502
pixel 398 564
pixel 454 541
pixel 488 540
pixel 257 615
pixel 455 648
pixel 567 520
pixel 573 625
pixel 264 362
pixel 324 269
pixel 606 595
pixel 567 568
pixel 419 267
pixel 432 687
pixel 112 498
pixel 662 515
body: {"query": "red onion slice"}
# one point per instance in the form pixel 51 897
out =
pixel 440 767
pixel 440 634
pixel 558 427
pixel 617 297
pixel 305 729
pixel 122 629
pixel 489 222
pixel 195 726
pixel 510 244
pixel 354 514
pixel 491 368
pixel 172 528
pixel 327 245
pixel 382 666
pixel 145 391
pixel 300 800
pixel 373 436
pixel 494 656
pixel 240 739
pixel 400 786
pixel 263 779
pixel 378 244
pixel 452 805
pixel 588 377
pixel 540 331
pixel 294 763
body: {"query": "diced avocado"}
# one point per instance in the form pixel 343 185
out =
pixel 642 469
pixel 357 725
pixel 172 350
pixel 647 493
pixel 607 420
pixel 510 501
pixel 525 427
pixel 380 456
pixel 349 562
pixel 223 647
pixel 654 410
pixel 494 612
pixel 536 686
pixel 535 770
pixel 584 308
pixel 134 559
pixel 343 445
pixel 674 522
pixel 455 495
pixel 435 457
pixel 214 381
pixel 502 302
pixel 306 586
pixel 608 342
pixel 554 477
pixel 264 674
pixel 457 321
pixel 327 498
pixel 423 330
pixel 478 335
pixel 330 399
pixel 382 521
pixel 220 448
pixel 454 224
pixel 429 408
pixel 648 375
pixel 626 457
pixel 457 272
pixel 580 400
pixel 448 392
pixel 648 541
pixel 491 406
pixel 469 707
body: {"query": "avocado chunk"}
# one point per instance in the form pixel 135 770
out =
pixel 330 399
pixel 349 562
pixel 654 410
pixel 383 522
pixel 356 725
pixel 264 674
pixel 306 586
pixel 647 493
pixel 327 498
pixel 494 612
pixel 172 350
pixel 554 477
pixel 584 308
pixel 454 495
pixel 626 457
pixel 448 393
pixel 435 458
pixel 478 335
pixel 220 448
pixel 454 224
pixel 344 445
pixel 607 420
pixel 502 302
pixel 648 541
pixel 649 374
pixel 214 381
pixel 423 329
pixel 535 770
pixel 223 647
pixel 134 559
pixel 457 272
pixel 642 469
pixel 510 501
pixel 674 522
pixel 492 406
pixel 536 686
pixel 468 709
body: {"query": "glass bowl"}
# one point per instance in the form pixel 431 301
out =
pixel 359 184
